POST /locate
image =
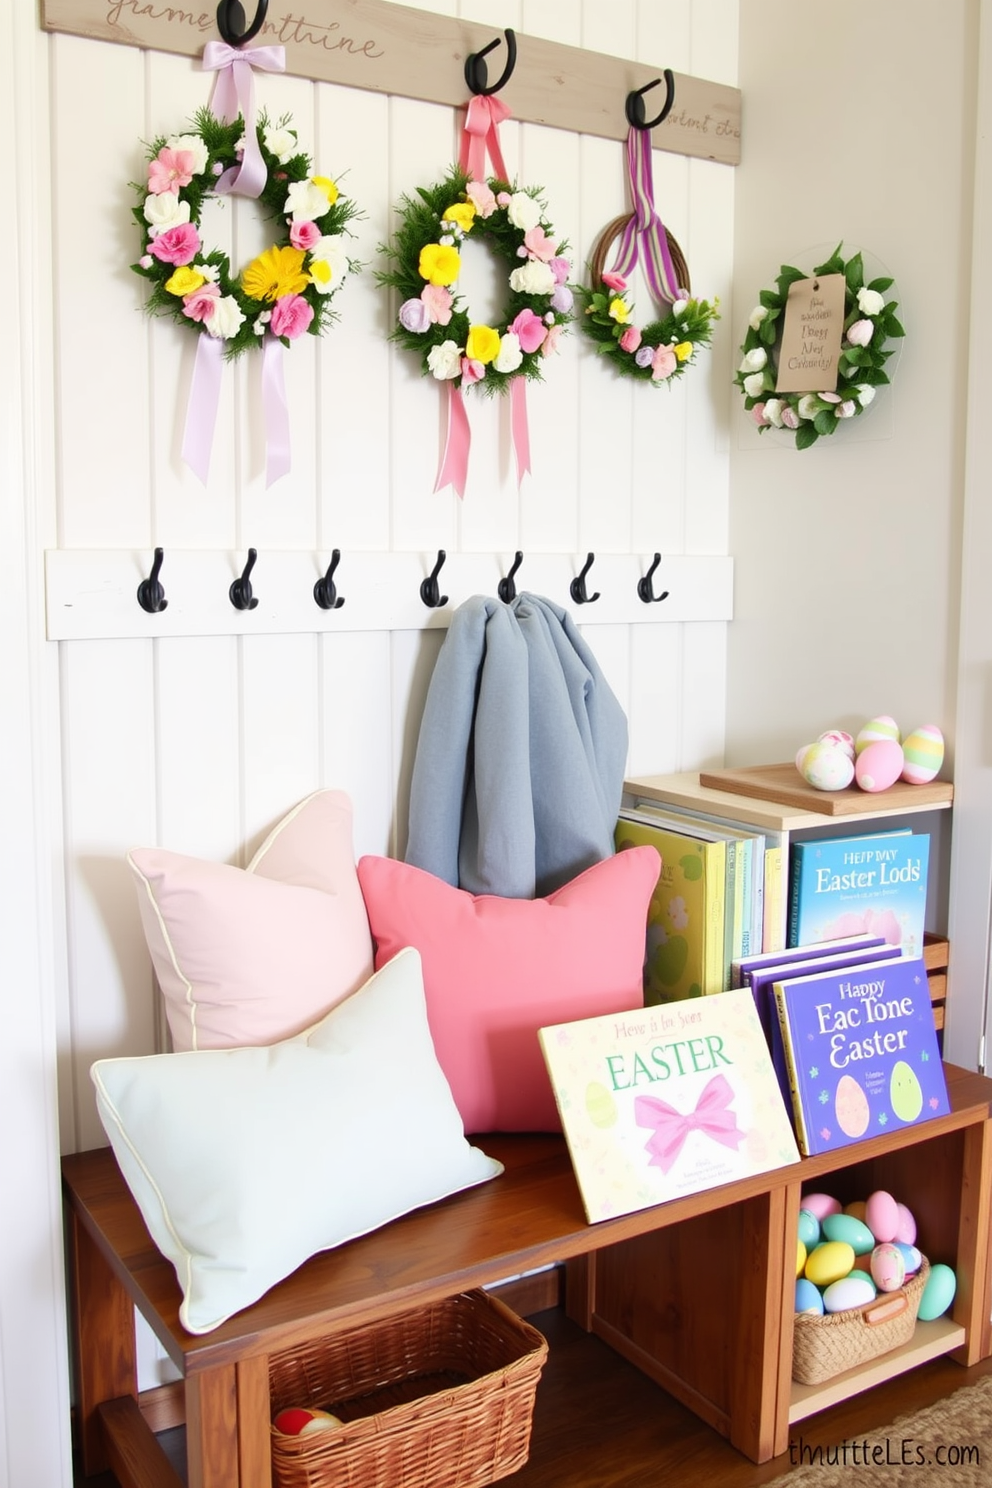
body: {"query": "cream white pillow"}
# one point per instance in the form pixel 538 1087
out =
pixel 245 1162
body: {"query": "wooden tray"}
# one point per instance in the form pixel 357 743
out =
pixel 784 784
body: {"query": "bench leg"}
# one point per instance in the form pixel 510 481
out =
pixel 212 1456
pixel 104 1346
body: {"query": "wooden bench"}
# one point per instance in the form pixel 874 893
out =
pixel 659 1285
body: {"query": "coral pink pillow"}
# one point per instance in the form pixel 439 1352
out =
pixel 496 970
pixel 252 956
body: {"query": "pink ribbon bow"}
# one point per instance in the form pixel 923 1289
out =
pixel 233 94
pixel 480 133
pixel 670 1127
pixel 646 227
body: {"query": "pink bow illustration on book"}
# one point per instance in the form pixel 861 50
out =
pixel 670 1128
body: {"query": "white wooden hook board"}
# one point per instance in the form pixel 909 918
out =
pixel 92 594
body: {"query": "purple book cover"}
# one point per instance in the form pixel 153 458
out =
pixel 862 1051
pixel 762 984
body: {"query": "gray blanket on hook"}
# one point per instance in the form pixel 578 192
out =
pixel 519 768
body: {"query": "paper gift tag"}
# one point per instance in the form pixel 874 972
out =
pixel 811 335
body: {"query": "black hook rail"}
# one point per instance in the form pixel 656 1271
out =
pixel 577 588
pixel 645 586
pixel 477 73
pixel 634 107
pixel 240 593
pixel 325 590
pixel 506 588
pixel 430 591
pixel 231 22
pixel 151 595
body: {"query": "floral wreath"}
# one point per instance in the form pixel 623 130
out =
pixel 425 256
pixel 661 351
pixel 869 322
pixel 287 289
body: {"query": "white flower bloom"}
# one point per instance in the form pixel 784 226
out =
pixel 306 201
pixel 210 272
pixel 865 393
pixel 847 409
pixel 509 356
pixel 533 277
pixel 328 264
pixel 281 143
pixel 226 319
pixel 164 211
pixel 194 144
pixel 870 302
pixel 754 385
pixel 773 411
pixel 809 406
pixel 757 316
pixel 679 306
pixel 754 360
pixel 445 361
pixel 523 211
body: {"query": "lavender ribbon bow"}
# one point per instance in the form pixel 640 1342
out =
pixel 234 94
pixel 645 227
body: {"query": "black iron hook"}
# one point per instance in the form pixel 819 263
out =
pixel 577 588
pixel 477 74
pixel 506 588
pixel 151 595
pixel 634 107
pixel 430 592
pixel 325 590
pixel 240 591
pixel 645 589
pixel 231 22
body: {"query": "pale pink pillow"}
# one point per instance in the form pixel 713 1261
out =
pixel 496 970
pixel 252 956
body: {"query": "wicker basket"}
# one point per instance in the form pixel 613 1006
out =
pixel 438 1398
pixel 825 1346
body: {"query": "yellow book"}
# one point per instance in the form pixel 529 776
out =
pixel 773 936
pixel 684 953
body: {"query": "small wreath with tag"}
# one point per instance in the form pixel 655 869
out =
pixel 288 288
pixel 425 257
pixel 870 323
pixel 659 352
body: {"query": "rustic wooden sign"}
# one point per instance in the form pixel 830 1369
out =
pixel 415 54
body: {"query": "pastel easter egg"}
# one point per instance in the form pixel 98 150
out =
pixel 826 767
pixel 845 1227
pixel 808 1297
pixel 923 754
pixel 882 727
pixel 851 1107
pixel 801 1254
pixel 809 1228
pixel 905 1092
pixel 829 1262
pixel 882 1215
pixel 888 1269
pixel 938 1294
pixel 850 1291
pixel 601 1108
pixel 879 765
pixel 801 754
pixel 838 738
pixel 863 1276
pixel 820 1205
pixel 906 1229
pixel 912 1258
pixel 857 1208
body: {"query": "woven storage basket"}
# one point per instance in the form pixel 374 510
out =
pixel 438 1398
pixel 825 1346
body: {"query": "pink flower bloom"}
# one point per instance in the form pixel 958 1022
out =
pixel 472 371
pixel 550 342
pixel 304 235
pixel 561 268
pixel 503 199
pixel 758 414
pixel 614 281
pixel 177 245
pixel 790 417
pixel 291 316
pixel 539 245
pixel 482 198
pixel 631 339
pixel 861 332
pixel 201 303
pixel 829 397
pixel 170 170
pixel 438 301
pixel 663 363
pixel 529 330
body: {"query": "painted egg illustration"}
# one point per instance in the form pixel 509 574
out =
pixel 851 1107
pixel 888 1269
pixel 601 1108
pixel 879 765
pixel 882 727
pixel 923 752
pixel 905 1092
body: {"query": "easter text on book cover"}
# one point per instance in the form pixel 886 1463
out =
pixel 859 875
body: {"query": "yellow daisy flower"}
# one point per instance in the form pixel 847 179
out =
pixel 274 273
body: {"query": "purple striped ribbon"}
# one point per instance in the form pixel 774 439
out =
pixel 645 228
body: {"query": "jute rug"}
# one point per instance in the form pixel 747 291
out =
pixel 949 1443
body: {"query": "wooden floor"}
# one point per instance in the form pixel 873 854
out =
pixel 599 1423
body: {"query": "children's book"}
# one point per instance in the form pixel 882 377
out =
pixel 743 970
pixel 684 950
pixel 667 1101
pixel 861 1052
pixel 875 884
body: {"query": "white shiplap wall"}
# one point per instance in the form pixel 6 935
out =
pixel 200 743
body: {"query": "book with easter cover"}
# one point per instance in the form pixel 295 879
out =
pixel 684 950
pixel 667 1101
pixel 861 1052
pixel 875 884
